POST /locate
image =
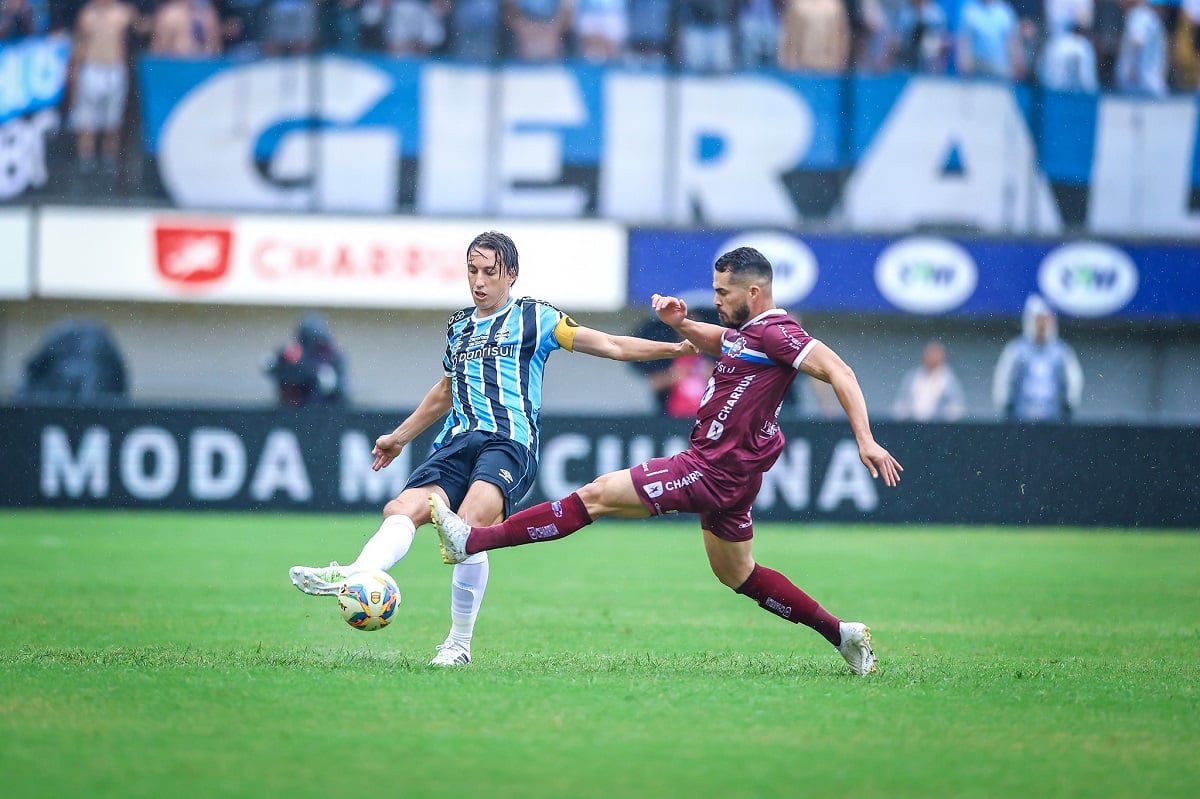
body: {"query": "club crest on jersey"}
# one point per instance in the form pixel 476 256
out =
pixel 735 349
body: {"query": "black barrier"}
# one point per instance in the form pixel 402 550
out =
pixel 189 459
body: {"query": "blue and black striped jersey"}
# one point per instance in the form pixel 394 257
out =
pixel 495 367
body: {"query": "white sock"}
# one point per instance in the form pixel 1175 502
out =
pixel 466 595
pixel 389 544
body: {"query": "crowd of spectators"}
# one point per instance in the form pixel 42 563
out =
pixel 1135 46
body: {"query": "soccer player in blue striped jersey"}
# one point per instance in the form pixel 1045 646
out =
pixel 485 458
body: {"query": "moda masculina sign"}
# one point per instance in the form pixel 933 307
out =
pixel 273 460
pixel 758 148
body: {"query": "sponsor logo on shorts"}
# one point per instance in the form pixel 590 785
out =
pixel 683 482
pixel 778 608
pixel 506 476
pixel 538 533
pixel 654 489
pixel 556 508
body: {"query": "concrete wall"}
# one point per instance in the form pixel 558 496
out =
pixel 212 355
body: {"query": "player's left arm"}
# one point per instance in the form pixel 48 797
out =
pixel 577 338
pixel 826 365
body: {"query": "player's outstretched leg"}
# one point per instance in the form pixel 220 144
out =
pixel 548 521
pixel 384 550
pixel 776 594
pixel 856 647
pixel 319 581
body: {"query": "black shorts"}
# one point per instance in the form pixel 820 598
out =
pixel 472 457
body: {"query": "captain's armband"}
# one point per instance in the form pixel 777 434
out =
pixel 565 332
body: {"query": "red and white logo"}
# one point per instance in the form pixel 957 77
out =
pixel 192 254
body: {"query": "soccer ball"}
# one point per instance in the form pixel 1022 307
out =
pixel 368 600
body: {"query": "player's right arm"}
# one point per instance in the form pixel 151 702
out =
pixel 704 336
pixel 434 406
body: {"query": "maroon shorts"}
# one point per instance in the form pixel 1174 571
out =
pixel 685 484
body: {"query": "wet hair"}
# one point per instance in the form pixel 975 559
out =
pixel 746 262
pixel 502 245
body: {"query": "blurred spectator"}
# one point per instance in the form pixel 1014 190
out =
pixel 337 24
pixel 311 369
pixel 922 38
pixel 101 86
pixel 1037 378
pixel 989 41
pixel 758 30
pixel 1109 19
pixel 689 382
pixel 185 29
pixel 1142 59
pixel 1063 15
pixel 1031 32
pixel 63 14
pixel 1069 62
pixel 650 32
pixel 1191 20
pixel 930 392
pixel 706 35
pixel 601 29
pixel 17 20
pixel 415 27
pixel 673 382
pixel 289 27
pixel 815 35
pixel 871 35
pixel 474 30
pixel 539 28
pixel 372 21
pixel 78 362
pixel 240 26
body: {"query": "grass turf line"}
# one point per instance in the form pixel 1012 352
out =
pixel 137 650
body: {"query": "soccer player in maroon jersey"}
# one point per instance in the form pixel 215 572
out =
pixel 735 440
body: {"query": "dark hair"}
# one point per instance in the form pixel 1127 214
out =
pixel 745 262
pixel 502 245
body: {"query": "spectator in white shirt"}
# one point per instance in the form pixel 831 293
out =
pixel 1068 62
pixel 1142 58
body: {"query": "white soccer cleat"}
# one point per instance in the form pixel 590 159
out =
pixel 856 647
pixel 451 653
pixel 317 581
pixel 452 531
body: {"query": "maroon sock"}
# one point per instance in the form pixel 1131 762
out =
pixel 544 522
pixel 775 593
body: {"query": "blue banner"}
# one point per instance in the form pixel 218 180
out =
pixel 764 148
pixel 33 75
pixel 930 275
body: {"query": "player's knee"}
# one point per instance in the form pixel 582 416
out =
pixel 732 574
pixel 592 494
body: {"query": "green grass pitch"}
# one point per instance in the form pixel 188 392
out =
pixel 151 654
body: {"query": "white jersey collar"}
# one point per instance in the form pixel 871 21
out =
pixel 763 315
pixel 476 317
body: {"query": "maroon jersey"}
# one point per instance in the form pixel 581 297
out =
pixel 737 425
